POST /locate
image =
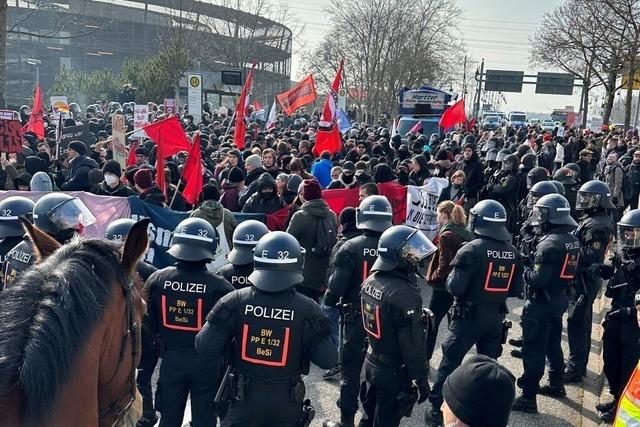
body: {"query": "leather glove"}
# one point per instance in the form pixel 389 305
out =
pixel 620 313
pixel 614 200
pixel 423 390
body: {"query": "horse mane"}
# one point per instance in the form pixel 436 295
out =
pixel 47 316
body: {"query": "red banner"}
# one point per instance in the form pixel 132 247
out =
pixel 302 94
pixel 397 196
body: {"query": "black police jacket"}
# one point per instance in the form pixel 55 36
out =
pixel 237 275
pixel 351 267
pixel 392 317
pixel 594 234
pixel 6 245
pixel 18 260
pixel 275 335
pixel 555 267
pixel 486 272
pixel 622 288
pixel 180 298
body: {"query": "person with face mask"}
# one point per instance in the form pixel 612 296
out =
pixel 111 185
pixel 266 199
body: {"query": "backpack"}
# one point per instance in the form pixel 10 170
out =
pixel 326 237
pixel 627 185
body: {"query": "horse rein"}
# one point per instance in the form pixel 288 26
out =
pixel 115 408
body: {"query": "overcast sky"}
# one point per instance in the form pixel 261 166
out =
pixel 496 30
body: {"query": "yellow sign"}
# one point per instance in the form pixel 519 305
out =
pixel 195 81
pixel 636 81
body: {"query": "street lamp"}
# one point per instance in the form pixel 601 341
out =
pixel 36 63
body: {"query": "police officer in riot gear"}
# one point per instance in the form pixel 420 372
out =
pixel 621 332
pixel 11 231
pixel 245 238
pixel 559 187
pixel 536 175
pixel 538 190
pixel 351 266
pixel 594 231
pixel 506 190
pixel 273 333
pixel 179 299
pixel 548 279
pixel 396 366
pixel 527 162
pixel 118 231
pixel 485 272
pixel 566 177
pixel 59 215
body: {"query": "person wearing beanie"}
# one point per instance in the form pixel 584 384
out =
pixel 142 156
pixel 346 179
pixel 291 190
pixel 473 171
pixel 304 226
pixel 95 178
pixel 479 393
pixel 148 192
pixel 111 184
pixel 22 181
pixel 266 199
pixel 232 187
pixel 79 167
pixel 253 165
pixel 211 210
pixel 321 169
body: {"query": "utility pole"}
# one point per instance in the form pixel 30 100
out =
pixel 476 108
pixel 464 78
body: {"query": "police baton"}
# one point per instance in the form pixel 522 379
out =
pixel 223 385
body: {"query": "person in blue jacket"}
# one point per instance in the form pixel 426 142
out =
pixel 322 169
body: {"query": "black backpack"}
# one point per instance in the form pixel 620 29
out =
pixel 627 185
pixel 326 237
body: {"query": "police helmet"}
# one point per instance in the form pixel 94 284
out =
pixel 24 110
pixel 11 209
pixel 594 194
pixel 119 229
pixel 510 163
pixel 75 109
pixel 540 189
pixel 91 109
pixel 575 169
pixel 492 155
pixel 194 239
pixel 536 175
pixel 492 143
pixel 551 209
pixel 278 260
pixel 502 154
pixel 559 186
pixel 488 218
pixel 528 161
pixel 565 176
pixel 629 230
pixel 524 150
pixel 400 246
pixel 54 213
pixel 374 213
pixel 245 238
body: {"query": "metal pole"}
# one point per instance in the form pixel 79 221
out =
pixel 635 118
pixel 476 110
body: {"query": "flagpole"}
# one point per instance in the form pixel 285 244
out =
pixel 175 193
pixel 231 122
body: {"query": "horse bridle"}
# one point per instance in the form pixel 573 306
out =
pixel 130 332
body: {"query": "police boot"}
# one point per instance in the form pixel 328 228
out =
pixel 433 417
pixel 606 406
pixel 516 342
pixel 609 416
pixel 516 353
pixel 523 404
pixel 554 390
pixel 147 421
pixel 571 376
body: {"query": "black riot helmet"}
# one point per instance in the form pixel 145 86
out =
pixel 488 218
pixel 528 161
pixel 278 260
pixel 502 154
pixel 559 186
pixel 552 209
pixel 592 195
pixel 536 175
pixel 402 246
pixel 374 213
pixel 629 231
pixel 565 176
pixel 510 163
pixel 11 209
pixel 492 143
pixel 194 239
pixel 524 150
pixel 119 229
pixel 492 155
pixel 58 214
pixel 245 238
pixel 540 189
pixel 575 169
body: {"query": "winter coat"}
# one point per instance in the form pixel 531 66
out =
pixel 258 203
pixel 230 196
pixel 252 185
pixel 120 191
pixel 472 169
pixel 446 194
pixel 153 196
pixel 304 227
pixel 78 179
pixel 214 213
pixel 322 171
pixel 634 176
pixel 614 173
pixel 340 183
pixel 449 240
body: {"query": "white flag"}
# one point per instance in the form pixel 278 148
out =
pixel 271 121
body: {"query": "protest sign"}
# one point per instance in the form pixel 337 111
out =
pixel 421 206
pixel 8 115
pixel 194 96
pixel 75 133
pixel 169 106
pixel 10 136
pixel 118 140
pixel 60 106
pixel 140 119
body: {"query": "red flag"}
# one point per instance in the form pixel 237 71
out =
pixel 341 198
pixel 454 115
pixel 192 173
pixel 170 139
pixel 397 196
pixel 277 220
pixel 471 123
pixel 328 136
pixel 241 109
pixel 131 160
pixel 36 119
pixel 299 95
pixel 416 128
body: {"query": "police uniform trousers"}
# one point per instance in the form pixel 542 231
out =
pixel 620 352
pixel 352 359
pixel 183 372
pixel 265 404
pixel 148 361
pixel 484 329
pixel 380 392
pixel 541 338
pixel 579 330
pixel 440 303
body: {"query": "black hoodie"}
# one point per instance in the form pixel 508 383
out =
pixel 262 202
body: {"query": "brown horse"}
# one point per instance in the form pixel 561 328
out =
pixel 70 335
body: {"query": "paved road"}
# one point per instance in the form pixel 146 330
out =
pixel 574 410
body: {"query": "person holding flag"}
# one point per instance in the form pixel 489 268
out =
pixel 328 136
